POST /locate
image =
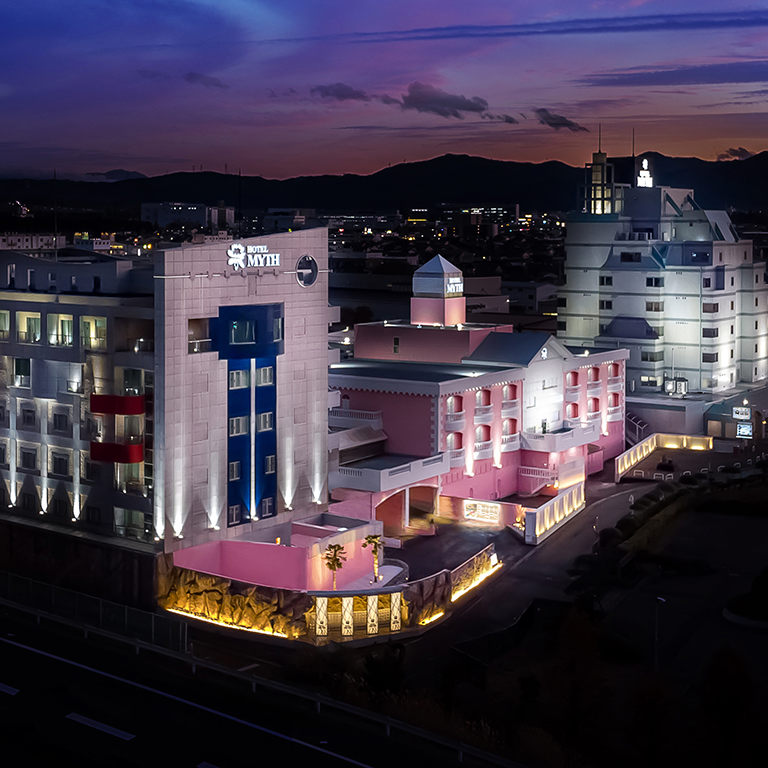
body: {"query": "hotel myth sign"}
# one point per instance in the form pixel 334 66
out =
pixel 241 256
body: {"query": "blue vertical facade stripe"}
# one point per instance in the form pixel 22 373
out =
pixel 264 349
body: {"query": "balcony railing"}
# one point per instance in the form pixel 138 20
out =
pixel 141 345
pixel 93 342
pixel 29 337
pixel 455 422
pixel 60 339
pixel 591 385
pixel 400 476
pixel 594 416
pixel 5 335
pixel 457 458
pixel 195 346
pixel 21 381
pixel 484 449
pixel 510 442
pixel 510 408
pixel 483 414
pixel 615 380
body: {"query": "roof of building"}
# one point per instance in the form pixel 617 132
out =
pixel 407 371
pixel 509 349
pixel 437 266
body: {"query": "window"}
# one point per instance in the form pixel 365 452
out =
pixel 651 357
pixel 28 458
pixel 649 381
pixel 606 280
pixel 277 329
pixel 707 282
pixel 709 357
pixel 731 278
pixel 267 506
pixel 630 257
pixel 654 306
pixel 234 470
pixel 265 376
pixel 238 425
pixel 710 333
pixel 239 379
pixel 60 330
pixel 396 345
pixel 731 330
pixel 562 302
pixel 270 465
pixel 233 514
pixel 264 421
pixel 27 417
pixel 28 327
pixel 60 465
pixel 756 324
pixel 755 301
pixel 92 471
pixel 654 282
pixel 731 354
pixel 755 348
pixel 60 422
pixel 21 369
pixel 658 330
pixel 3 456
pixel 606 304
pixel 731 306
pixel 242 332
pixel 711 308
pixel 93 332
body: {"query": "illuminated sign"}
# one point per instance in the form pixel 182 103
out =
pixel 744 430
pixel 544 353
pixel 482 512
pixel 455 285
pixel 241 256
pixel 644 178
pixel 742 413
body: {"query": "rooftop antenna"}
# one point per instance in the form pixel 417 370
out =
pixel 599 137
pixel 633 158
pixel 55 220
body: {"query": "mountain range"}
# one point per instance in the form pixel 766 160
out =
pixel 452 179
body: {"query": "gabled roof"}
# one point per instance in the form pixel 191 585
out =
pixel 514 349
pixel 437 266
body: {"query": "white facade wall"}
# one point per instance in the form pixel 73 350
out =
pixel 191 409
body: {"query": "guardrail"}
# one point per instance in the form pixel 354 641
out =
pixel 626 461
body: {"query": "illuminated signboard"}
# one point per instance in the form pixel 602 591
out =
pixel 744 430
pixel 455 285
pixel 241 256
pixel 742 413
pixel 482 512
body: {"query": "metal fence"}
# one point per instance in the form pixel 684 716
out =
pixel 93 612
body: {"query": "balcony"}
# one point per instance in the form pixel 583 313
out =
pixel 93 343
pixel 455 422
pixel 510 442
pixel 196 346
pixel 129 450
pixel 596 416
pixel 484 414
pixel 123 405
pixel 347 418
pixel 29 337
pixel 572 434
pixel 484 450
pixel 510 409
pixel 616 413
pixel 457 458
pixel 389 472
pixel 594 386
pixel 615 383
pixel 60 339
pixel 572 393
pixel 5 334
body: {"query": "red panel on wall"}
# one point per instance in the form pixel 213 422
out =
pixel 125 405
pixel 118 452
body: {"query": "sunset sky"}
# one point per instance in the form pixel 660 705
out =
pixel 296 87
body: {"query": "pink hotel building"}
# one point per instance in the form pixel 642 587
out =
pixel 440 417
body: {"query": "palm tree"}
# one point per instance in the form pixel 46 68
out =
pixel 335 557
pixel 374 542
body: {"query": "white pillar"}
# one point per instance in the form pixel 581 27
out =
pixel 407 508
pixel 321 616
pixel 372 623
pixel 347 616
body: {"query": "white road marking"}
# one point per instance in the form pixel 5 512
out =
pixel 100 726
pixel 10 690
pixel 181 700
pixel 248 666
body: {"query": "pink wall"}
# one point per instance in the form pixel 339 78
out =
pixel 255 562
pixel 434 311
pixel 374 341
pixel 488 482
pixel 359 563
pixel 407 419
pixel 350 503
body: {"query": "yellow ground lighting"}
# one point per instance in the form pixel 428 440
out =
pixel 479 580
pixel 226 624
pixel 433 617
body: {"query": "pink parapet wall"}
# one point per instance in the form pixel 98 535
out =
pixel 275 565
pixel 254 562
pixel 433 311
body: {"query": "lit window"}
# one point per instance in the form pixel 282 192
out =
pixel 234 470
pixel 277 329
pixel 233 514
pixel 242 332
pixel 270 465
pixel 267 506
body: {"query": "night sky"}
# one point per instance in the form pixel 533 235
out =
pixel 300 87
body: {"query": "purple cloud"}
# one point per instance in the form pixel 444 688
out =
pixel 735 153
pixel 427 98
pixel 339 92
pixel 557 122
pixel 206 80
pixel 703 74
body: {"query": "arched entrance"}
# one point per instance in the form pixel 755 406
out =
pixel 409 510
